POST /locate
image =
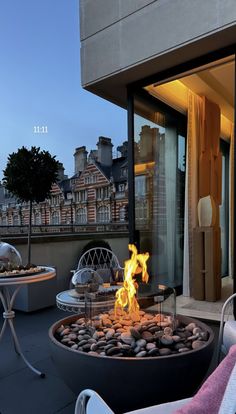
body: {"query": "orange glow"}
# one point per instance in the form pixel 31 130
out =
pixel 126 296
pixel 140 168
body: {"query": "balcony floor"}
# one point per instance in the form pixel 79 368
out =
pixel 23 392
pixel 210 311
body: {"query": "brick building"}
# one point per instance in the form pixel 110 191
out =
pixel 96 193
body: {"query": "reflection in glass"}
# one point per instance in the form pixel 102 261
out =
pixel 159 169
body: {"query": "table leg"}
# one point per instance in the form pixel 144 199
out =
pixel 8 316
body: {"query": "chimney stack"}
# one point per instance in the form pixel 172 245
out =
pixel 105 151
pixel 61 172
pixel 80 157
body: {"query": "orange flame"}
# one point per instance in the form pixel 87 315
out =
pixel 126 296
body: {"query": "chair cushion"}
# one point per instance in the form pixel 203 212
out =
pixel 210 395
pixel 228 404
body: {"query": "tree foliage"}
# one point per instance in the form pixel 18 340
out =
pixel 29 176
pixel 30 173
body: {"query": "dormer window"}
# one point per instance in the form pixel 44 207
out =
pixel 121 188
pixel 90 179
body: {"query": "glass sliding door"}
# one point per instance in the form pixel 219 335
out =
pixel 159 183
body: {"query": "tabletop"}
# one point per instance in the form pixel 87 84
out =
pixel 46 274
pixel 69 300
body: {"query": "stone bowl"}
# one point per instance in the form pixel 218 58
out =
pixel 130 383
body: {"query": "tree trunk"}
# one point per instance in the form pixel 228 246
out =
pixel 29 233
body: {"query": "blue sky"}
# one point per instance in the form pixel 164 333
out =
pixel 40 83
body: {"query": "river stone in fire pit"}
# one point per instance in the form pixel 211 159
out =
pixel 151 336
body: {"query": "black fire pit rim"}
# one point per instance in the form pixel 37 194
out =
pixel 85 354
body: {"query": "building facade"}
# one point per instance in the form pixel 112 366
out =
pixel 172 65
pixel 96 194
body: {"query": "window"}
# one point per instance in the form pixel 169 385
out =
pixel 4 221
pixel 159 183
pixel 121 188
pixel 123 213
pixel 124 172
pixel 68 217
pixel 90 179
pixel 141 210
pixel 55 200
pixel 55 218
pixel 16 220
pixel 81 216
pixel 81 196
pixel 102 193
pixel 37 218
pixel 140 186
pixel 103 214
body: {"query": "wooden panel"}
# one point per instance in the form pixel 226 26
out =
pixel 207 264
pixel 204 174
pixel 198 265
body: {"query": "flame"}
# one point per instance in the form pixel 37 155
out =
pixel 126 296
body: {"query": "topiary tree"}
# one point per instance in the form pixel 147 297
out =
pixel 29 176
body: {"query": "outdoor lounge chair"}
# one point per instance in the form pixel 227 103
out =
pixel 216 396
pixel 227 332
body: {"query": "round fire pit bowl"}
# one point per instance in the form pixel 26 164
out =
pixel 130 383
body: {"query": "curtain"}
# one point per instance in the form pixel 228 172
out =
pixel 194 134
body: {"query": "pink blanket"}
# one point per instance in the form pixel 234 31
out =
pixel 209 397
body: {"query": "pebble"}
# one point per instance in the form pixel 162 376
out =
pixel 127 338
pixel 75 346
pixel 110 333
pixel 164 351
pixel 65 331
pixel 60 329
pixel 112 351
pixel 168 331
pixel 147 336
pixel 141 343
pixel 83 342
pixel 137 349
pixel 191 326
pixel 150 346
pixel 184 349
pixel 166 340
pixel 135 333
pixel 153 352
pixel 154 329
pixel 176 338
pixel 197 344
pixel 179 345
pixel 121 335
pixel 72 336
pixel 94 347
pixel 101 343
pixel 141 354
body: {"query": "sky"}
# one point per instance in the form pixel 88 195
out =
pixel 40 84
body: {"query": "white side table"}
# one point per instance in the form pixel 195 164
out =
pixel 8 301
pixel 69 301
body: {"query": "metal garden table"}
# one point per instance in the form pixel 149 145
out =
pixel 8 298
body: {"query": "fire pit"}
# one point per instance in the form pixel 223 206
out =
pixel 133 357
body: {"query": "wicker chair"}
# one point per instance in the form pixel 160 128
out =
pixel 103 261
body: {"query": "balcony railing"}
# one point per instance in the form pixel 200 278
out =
pixel 65 228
